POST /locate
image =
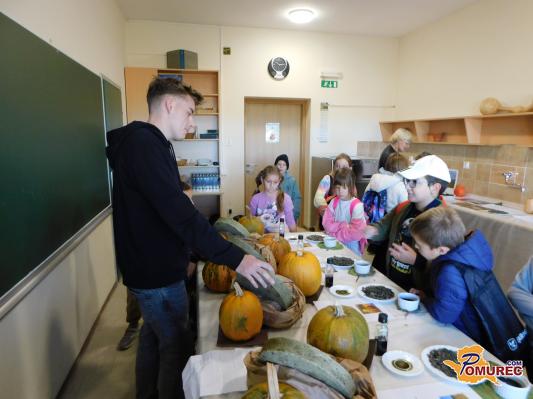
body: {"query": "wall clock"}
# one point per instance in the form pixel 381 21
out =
pixel 278 68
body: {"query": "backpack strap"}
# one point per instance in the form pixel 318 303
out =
pixel 400 206
pixel 354 202
pixel 335 202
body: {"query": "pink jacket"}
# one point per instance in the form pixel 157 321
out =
pixel 346 231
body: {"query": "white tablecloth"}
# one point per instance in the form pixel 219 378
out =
pixel 408 332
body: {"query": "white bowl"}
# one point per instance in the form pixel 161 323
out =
pixel 507 391
pixel 408 301
pixel 362 267
pixel 330 242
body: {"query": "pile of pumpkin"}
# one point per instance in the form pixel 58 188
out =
pixel 339 331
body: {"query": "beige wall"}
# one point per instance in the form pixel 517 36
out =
pixel 368 65
pixel 487 163
pixel 447 67
pixel 41 337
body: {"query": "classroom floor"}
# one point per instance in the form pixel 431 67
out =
pixel 101 371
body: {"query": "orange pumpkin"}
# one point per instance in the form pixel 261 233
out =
pixel 460 191
pixel 303 269
pixel 218 278
pixel 340 331
pixel 260 391
pixel 278 245
pixel 240 315
pixel 253 224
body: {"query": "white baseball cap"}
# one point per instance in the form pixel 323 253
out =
pixel 430 165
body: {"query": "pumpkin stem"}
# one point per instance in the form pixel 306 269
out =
pixel 238 289
pixel 339 311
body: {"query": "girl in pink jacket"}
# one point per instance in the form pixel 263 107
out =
pixel 344 218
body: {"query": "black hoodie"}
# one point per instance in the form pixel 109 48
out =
pixel 155 224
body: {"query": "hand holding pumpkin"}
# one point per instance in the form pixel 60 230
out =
pixel 256 271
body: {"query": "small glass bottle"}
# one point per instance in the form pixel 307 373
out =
pixel 300 245
pixel 282 227
pixel 382 333
pixel 328 279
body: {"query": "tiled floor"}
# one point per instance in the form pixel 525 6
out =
pixel 101 371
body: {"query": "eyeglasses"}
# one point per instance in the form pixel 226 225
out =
pixel 412 183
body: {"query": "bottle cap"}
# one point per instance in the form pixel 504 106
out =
pixel 282 220
pixel 300 236
pixel 382 318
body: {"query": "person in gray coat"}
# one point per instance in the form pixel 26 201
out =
pixel 289 184
pixel 521 296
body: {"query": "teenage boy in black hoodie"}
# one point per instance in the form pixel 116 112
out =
pixel 155 228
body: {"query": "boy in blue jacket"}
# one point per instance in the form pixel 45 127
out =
pixel 439 236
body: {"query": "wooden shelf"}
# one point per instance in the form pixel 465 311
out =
pixel 477 129
pixel 198 193
pixel 198 167
pixel 198 140
pixel 207 83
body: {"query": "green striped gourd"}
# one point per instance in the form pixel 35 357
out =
pixel 309 360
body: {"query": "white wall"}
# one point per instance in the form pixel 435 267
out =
pixel 41 337
pixel 448 67
pixel 368 65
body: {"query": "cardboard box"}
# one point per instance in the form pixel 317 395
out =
pixel 182 59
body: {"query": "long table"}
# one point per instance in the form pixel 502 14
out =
pixel 510 235
pixel 407 332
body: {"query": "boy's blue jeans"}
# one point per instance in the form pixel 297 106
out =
pixel 165 342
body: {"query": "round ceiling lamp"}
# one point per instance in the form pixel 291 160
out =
pixel 301 15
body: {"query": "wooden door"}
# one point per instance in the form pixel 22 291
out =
pixel 261 151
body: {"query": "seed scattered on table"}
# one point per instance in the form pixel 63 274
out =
pixel 378 292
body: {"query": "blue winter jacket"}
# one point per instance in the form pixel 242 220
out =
pixel 449 301
pixel 290 186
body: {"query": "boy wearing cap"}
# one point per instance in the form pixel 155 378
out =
pixel 425 181
pixel 289 184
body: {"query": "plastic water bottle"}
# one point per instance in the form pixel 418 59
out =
pixel 300 245
pixel 282 227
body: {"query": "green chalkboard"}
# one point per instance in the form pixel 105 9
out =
pixel 112 105
pixel 53 171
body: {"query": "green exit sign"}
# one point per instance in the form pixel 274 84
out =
pixel 329 84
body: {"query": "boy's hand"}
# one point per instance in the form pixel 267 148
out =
pixel 370 231
pixel 404 253
pixel 420 293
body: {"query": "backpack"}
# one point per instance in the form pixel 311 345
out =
pixel 375 204
pixel 354 202
pixel 502 332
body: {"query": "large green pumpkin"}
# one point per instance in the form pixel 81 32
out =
pixel 340 331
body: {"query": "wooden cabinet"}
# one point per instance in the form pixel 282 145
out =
pixel 195 147
pixel 488 130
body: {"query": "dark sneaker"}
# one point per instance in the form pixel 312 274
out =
pixel 129 336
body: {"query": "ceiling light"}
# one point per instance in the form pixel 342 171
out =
pixel 301 15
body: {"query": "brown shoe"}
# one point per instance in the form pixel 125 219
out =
pixel 129 336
